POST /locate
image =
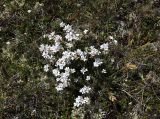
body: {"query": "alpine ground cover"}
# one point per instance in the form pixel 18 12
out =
pixel 96 59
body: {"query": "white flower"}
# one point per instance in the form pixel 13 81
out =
pixel 82 54
pixel 110 37
pixel 42 47
pixel 71 36
pixel 50 37
pixel 83 70
pixel 59 87
pixel 67 28
pixel 29 11
pixel 67 70
pixel 65 59
pixel 61 63
pixel 112 60
pixel 77 34
pixel 79 101
pixel 94 51
pixel 73 70
pixel 62 85
pixel 85 90
pixel 97 62
pixel 46 68
pixel 79 52
pixel 52 33
pixel 45 35
pixel 104 71
pixel 41 4
pixel 55 48
pixel 62 24
pixel 104 47
pixel 115 42
pixel 86 100
pixel 88 78
pixel 8 43
pixel 33 112
pixel 62 53
pixel 56 72
pixel 57 38
pixel 85 31
pixel 78 5
pixel 46 56
pixel 65 76
pixel 69 45
pixel 83 58
pixel 70 33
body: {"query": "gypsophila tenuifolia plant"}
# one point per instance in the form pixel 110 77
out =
pixel 101 62
pixel 74 66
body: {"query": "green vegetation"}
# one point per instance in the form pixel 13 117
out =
pixel 129 90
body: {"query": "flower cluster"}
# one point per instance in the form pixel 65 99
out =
pixel 63 53
pixel 48 51
pixel 85 89
pixel 79 101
